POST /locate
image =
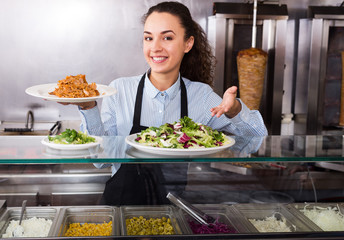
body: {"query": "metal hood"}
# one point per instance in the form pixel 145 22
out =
pixel 245 10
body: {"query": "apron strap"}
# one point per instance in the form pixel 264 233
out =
pixel 138 104
pixel 183 99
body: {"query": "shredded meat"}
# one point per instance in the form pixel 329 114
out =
pixel 75 87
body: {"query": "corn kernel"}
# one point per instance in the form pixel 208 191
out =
pixel 89 229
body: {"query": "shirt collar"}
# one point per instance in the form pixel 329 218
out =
pixel 153 91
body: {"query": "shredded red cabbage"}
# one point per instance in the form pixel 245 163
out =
pixel 215 227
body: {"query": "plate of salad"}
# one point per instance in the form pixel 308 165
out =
pixel 71 139
pixel 185 137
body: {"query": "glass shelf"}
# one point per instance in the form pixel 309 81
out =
pixel 310 148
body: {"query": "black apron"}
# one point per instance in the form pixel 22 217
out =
pixel 136 184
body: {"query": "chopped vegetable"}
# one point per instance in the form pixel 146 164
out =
pixel 72 137
pixel 216 227
pixel 184 134
pixel 328 219
pixel 89 229
pixel 151 226
pixel 271 224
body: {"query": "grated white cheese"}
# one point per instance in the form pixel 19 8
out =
pixel 271 224
pixel 33 227
pixel 328 219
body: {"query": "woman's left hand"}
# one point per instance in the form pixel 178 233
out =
pixel 229 105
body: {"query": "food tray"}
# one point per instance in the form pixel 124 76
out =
pixel 88 214
pixel 13 213
pixel 223 213
pixel 147 212
pixel 261 211
pixel 296 209
pixel 256 169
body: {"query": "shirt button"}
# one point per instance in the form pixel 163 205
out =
pixel 162 94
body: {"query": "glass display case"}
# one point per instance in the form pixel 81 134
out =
pixel 254 177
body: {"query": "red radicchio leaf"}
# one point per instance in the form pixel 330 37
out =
pixel 183 138
pixel 186 145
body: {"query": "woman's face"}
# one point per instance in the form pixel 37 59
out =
pixel 163 43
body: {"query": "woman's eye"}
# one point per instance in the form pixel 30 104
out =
pixel 167 38
pixel 148 38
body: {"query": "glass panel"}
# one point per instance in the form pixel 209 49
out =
pixel 29 149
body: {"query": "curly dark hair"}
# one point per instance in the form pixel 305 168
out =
pixel 199 63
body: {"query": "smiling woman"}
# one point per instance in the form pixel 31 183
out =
pixel 177 85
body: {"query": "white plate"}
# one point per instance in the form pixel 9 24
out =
pixel 176 151
pixel 71 147
pixel 82 153
pixel 43 90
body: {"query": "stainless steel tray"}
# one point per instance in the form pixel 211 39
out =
pixel 261 211
pixel 87 214
pixel 13 213
pixel 221 212
pixel 296 209
pixel 160 211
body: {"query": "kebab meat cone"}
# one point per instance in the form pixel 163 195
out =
pixel 251 72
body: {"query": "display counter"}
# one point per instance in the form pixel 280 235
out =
pixel 300 148
pixel 250 179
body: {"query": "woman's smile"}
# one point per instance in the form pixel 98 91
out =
pixel 159 59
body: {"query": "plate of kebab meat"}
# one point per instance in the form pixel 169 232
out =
pixel 72 89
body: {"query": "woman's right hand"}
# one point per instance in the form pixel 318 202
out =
pixel 82 105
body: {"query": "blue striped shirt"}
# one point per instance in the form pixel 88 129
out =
pixel 117 111
pixel 158 108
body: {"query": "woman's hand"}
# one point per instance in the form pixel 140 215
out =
pixel 229 105
pixel 82 105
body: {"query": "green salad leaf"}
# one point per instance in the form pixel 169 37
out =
pixel 71 136
pixel 183 134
